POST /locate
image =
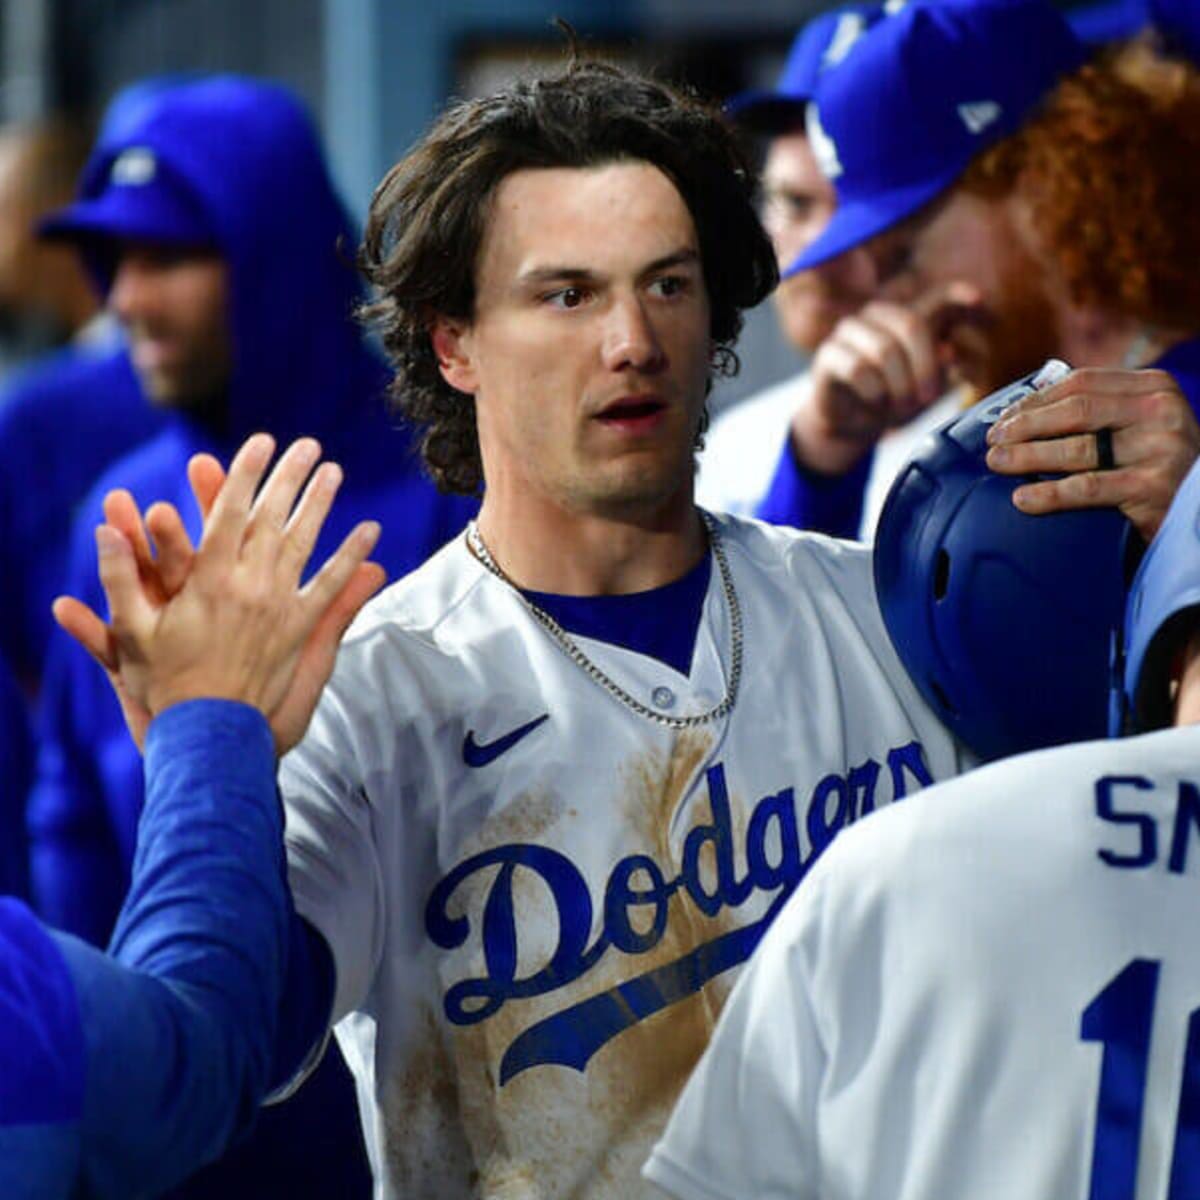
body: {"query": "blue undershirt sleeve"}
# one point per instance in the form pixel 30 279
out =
pixel 831 504
pixel 304 1021
pixel 180 1022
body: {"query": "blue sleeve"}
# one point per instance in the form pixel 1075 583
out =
pixel 829 504
pixel 42 1059
pixel 304 1021
pixel 180 1022
pixel 16 770
pixel 78 869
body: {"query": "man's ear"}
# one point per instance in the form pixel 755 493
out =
pixel 451 343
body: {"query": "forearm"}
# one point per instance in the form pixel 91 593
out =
pixel 181 1026
pixel 807 500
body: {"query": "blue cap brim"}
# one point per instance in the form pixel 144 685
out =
pixel 127 214
pixel 1111 21
pixel 767 112
pixel 856 222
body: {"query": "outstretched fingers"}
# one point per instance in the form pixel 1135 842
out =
pixel 306 522
pixel 226 525
pixel 122 513
pixel 323 589
pixel 172 545
pixel 269 515
pixel 93 634
pixel 206 476
pixel 128 606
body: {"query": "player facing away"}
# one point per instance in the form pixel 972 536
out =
pixel 566 771
pixel 994 989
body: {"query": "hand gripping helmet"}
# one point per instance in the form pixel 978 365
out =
pixel 1005 621
pixel 1162 603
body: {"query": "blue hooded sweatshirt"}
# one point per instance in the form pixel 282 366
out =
pixel 63 420
pixel 16 770
pixel 246 159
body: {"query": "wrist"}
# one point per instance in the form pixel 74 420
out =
pixel 182 689
pixel 819 450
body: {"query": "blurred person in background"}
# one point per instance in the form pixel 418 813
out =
pixel 16 771
pixel 818 478
pixel 1018 200
pixel 66 414
pixel 46 299
pixel 745 442
pixel 210 223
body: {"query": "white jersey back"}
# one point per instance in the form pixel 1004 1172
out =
pixel 991 991
pixel 744 445
pixel 536 898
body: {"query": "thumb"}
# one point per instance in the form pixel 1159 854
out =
pixel 77 619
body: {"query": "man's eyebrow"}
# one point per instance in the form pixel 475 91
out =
pixel 554 272
pixel 681 258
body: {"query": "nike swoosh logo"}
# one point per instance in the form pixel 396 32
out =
pixel 479 754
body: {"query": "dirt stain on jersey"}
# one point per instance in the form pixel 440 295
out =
pixel 426 1142
pixel 586 1134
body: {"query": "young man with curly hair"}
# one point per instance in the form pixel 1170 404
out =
pixel 981 155
pixel 567 771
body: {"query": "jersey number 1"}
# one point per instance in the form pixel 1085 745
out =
pixel 1121 1017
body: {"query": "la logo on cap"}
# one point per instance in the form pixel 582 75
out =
pixel 824 149
pixel 850 28
pixel 133 167
pixel 979 116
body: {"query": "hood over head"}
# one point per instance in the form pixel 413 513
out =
pixel 234 165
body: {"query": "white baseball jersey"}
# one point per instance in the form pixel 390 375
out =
pixel 537 898
pixel 990 992
pixel 745 444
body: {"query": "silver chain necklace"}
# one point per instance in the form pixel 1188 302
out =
pixel 571 649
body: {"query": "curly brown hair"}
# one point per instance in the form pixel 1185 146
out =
pixel 1111 165
pixel 428 217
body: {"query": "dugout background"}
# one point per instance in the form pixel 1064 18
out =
pixel 374 72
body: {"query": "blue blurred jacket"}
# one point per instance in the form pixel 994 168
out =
pixel 16 771
pixel 249 155
pixel 62 421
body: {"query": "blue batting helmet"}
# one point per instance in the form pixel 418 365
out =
pixel 1005 621
pixel 1164 595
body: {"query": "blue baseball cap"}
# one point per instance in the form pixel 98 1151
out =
pixel 918 96
pixel 1109 20
pixel 132 196
pixel 1179 23
pixel 822 43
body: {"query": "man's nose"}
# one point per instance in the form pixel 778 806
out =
pixel 630 339
pixel 131 296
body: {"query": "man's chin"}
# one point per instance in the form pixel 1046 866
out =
pixel 165 389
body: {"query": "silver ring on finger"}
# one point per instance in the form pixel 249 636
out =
pixel 1105 459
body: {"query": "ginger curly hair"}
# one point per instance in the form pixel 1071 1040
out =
pixel 1111 165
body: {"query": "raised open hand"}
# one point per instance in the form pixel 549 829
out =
pixel 228 620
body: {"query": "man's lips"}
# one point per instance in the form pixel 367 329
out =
pixel 633 413
pixel 153 353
